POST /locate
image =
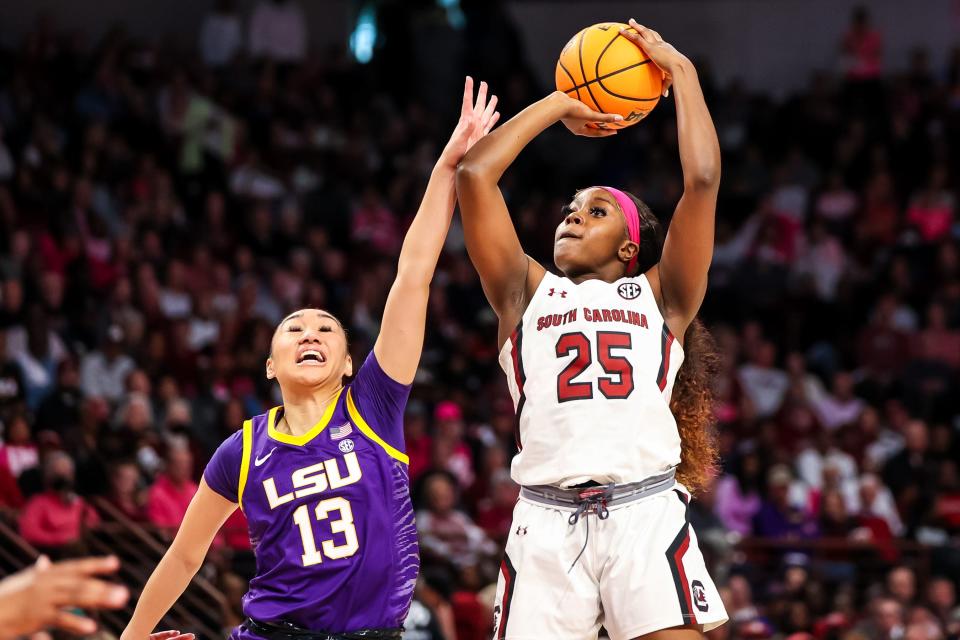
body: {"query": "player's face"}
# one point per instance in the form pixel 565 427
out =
pixel 591 234
pixel 309 349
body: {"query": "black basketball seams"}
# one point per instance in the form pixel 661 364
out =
pixel 583 73
pixel 599 79
pixel 572 79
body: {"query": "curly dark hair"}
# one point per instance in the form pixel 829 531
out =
pixel 692 401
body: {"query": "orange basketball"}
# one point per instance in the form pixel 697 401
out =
pixel 609 73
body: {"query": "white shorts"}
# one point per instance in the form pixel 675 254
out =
pixel 641 571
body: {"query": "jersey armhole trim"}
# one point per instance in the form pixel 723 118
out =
pixel 245 459
pixel 370 433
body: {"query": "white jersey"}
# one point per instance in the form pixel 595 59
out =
pixel 591 367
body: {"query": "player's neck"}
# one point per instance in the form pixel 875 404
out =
pixel 303 410
pixel 608 273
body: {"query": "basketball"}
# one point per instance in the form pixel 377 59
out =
pixel 609 73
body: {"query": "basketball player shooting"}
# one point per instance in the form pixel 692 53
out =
pixel 608 369
pixel 323 478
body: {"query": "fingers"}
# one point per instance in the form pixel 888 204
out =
pixel 592 132
pixel 467 105
pixel 171 635
pixel 43 563
pixel 649 35
pixel 492 122
pixel 90 593
pixel 667 83
pixel 84 566
pixel 605 117
pixel 78 625
pixel 481 102
pixel 491 107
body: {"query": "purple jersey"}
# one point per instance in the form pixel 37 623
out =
pixel 329 512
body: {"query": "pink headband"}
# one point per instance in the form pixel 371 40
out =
pixel 629 210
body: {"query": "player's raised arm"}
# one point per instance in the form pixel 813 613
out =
pixel 206 514
pixel 507 274
pixel 400 341
pixel 688 248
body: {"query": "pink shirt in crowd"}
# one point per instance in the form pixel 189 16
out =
pixel 50 521
pixel 167 502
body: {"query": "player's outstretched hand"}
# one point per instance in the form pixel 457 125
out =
pixel 663 54
pixel 171 635
pixel 39 597
pixel 476 121
pixel 577 116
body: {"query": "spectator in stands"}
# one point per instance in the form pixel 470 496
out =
pixel 777 517
pixel 54 521
pixel 883 348
pixel 19 451
pixel 12 393
pixel 822 454
pixel 874 500
pixel 450 451
pixel 446 532
pixel 39 353
pixel 418 440
pixel 886 620
pixel 902 586
pixel 278 31
pixel 931 211
pixel 862 47
pixel 495 513
pixel 738 493
pixel 60 411
pixel 840 407
pixel 104 372
pixel 941 597
pixel 125 493
pixel 763 382
pixel 911 472
pixel 937 342
pixel 172 491
pixel 221 35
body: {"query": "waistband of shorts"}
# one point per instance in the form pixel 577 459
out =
pixel 613 494
pixel 289 631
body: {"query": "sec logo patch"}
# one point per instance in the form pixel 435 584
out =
pixel 346 446
pixel 629 290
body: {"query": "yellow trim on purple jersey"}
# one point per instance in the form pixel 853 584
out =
pixel 245 459
pixel 314 431
pixel 370 433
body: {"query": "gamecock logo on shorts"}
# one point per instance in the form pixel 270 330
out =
pixel 699 595
pixel 629 290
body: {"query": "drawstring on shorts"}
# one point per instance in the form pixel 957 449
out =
pixel 591 501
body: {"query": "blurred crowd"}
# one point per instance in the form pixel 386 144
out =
pixel 163 207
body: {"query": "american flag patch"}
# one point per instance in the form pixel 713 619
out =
pixel 336 433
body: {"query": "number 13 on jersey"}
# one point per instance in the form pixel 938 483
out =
pixel 344 525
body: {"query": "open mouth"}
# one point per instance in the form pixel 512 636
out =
pixel 311 357
pixel 568 235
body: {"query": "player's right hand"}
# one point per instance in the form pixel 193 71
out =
pixel 40 597
pixel 576 116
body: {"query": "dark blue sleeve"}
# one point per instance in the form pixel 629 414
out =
pixel 223 471
pixel 381 401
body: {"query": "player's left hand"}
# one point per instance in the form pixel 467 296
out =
pixel 663 54
pixel 476 121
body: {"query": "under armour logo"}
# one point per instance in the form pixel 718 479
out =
pixel 563 294
pixel 521 531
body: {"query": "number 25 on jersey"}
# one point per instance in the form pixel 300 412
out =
pixel 616 385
